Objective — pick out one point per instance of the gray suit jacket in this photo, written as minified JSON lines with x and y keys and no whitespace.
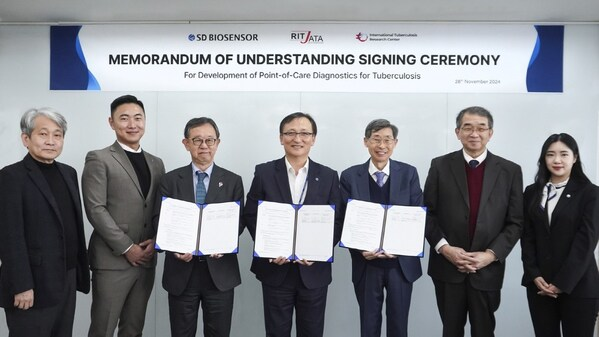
{"x":499,"y":222}
{"x":224,"y":186}
{"x":115,"y":205}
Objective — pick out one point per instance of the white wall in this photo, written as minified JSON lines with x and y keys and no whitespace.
{"x":249,"y":127}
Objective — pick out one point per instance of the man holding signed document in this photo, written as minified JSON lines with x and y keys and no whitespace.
{"x":287,"y":196}
{"x":199,"y":269}
{"x":376,"y":267}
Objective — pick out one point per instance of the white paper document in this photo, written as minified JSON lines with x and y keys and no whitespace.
{"x":397,"y":230}
{"x":186,"y":227}
{"x":295,"y":231}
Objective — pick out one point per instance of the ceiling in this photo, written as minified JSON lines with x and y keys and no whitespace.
{"x":155,"y":11}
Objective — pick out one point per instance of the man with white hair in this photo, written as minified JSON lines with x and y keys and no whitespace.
{"x":42,"y":242}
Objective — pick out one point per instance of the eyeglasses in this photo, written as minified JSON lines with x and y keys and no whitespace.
{"x":471,"y":129}
{"x":293,"y":134}
{"x":379,"y":141}
{"x":208,"y":141}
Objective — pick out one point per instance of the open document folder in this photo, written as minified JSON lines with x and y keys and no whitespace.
{"x":298,"y":232}
{"x":186,"y":227}
{"x":397,"y":230}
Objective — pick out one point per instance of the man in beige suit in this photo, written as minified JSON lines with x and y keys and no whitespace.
{"x":119,"y":185}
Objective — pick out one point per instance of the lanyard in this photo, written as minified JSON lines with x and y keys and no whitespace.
{"x":300,"y":201}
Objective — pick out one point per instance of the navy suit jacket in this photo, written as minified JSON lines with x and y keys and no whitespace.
{"x":563,"y":252}
{"x":270,"y":183}
{"x":224,"y":186}
{"x":499,"y":222}
{"x":404,"y":190}
{"x":32,"y":246}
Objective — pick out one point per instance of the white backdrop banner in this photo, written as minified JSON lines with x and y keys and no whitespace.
{"x":452,"y":58}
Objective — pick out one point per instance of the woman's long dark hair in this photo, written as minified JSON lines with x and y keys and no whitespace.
{"x":543,"y":173}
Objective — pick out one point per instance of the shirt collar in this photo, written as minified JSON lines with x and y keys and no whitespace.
{"x":128,"y":149}
{"x":302,"y":169}
{"x":480,"y":158}
{"x":207,"y":171}
{"x":559,"y":185}
{"x":372,"y":169}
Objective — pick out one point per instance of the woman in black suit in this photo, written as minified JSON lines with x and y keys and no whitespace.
{"x":561,"y":230}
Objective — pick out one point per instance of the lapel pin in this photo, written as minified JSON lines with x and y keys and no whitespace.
{"x":567,"y":195}
{"x":220,"y":184}
{"x":316,"y":178}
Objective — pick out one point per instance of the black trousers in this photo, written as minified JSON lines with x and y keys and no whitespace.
{"x":458,"y":301}
{"x":378,"y":285}
{"x":280,"y":302}
{"x":55,"y":321}
{"x":576,"y":316}
{"x":217,"y":306}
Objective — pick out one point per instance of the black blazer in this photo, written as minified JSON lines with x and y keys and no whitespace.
{"x":32,"y":246}
{"x":563,"y":252}
{"x":271,"y":184}
{"x":404,"y":190}
{"x":499,"y":222}
{"x":224,"y":186}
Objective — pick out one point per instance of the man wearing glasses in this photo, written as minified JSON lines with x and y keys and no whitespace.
{"x":295,"y":178}
{"x":474,"y":219}
{"x":206,"y":280}
{"x":376,"y":273}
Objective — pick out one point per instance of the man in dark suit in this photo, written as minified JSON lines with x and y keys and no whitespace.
{"x":296,"y":179}
{"x":42,"y":242}
{"x":474,"y":219}
{"x":119,"y":184}
{"x":208,"y":280}
{"x":374,"y":273}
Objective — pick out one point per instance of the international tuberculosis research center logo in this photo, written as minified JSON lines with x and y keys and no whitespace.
{"x":362,"y":37}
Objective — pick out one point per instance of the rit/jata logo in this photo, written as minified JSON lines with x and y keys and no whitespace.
{"x":306,"y":37}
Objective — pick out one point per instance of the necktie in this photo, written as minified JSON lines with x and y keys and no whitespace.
{"x":549,"y":193}
{"x":473,"y":163}
{"x":380,"y":178}
{"x":200,"y":187}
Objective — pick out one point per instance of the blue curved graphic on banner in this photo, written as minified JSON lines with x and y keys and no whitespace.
{"x":535,"y":52}
{"x":92,"y":83}
{"x":68,"y":70}
{"x":545,"y":69}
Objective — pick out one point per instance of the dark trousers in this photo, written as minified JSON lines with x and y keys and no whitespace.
{"x":55,"y":321}
{"x":280,"y":301}
{"x":370,"y":293}
{"x":456,"y":301}
{"x":576,"y":316}
{"x":217,"y":306}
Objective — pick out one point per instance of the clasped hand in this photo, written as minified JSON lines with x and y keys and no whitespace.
{"x":140,"y":254}
{"x":546,"y":289}
{"x":467,"y":262}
